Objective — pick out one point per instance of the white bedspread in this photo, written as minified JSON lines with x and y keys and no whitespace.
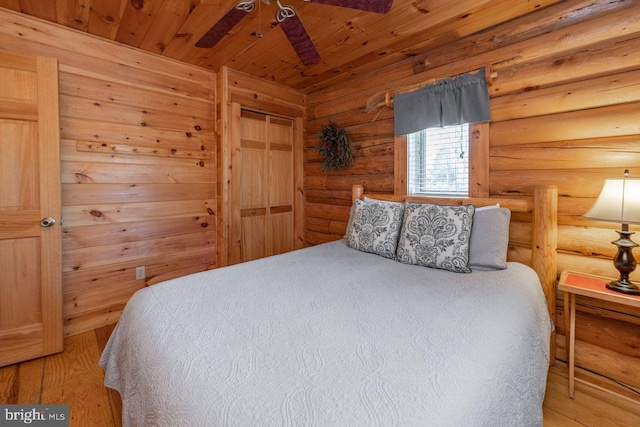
{"x":328,"y":336}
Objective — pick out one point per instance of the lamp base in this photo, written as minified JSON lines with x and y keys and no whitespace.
{"x":625,"y":263}
{"x":624,"y":287}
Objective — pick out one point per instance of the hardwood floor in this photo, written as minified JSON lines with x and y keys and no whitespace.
{"x":595,"y":403}
{"x":74,"y":378}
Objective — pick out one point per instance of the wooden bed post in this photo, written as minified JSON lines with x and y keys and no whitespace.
{"x":544,"y":248}
{"x":357,"y":191}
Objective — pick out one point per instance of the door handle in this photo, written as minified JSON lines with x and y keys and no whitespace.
{"x":47,"y":222}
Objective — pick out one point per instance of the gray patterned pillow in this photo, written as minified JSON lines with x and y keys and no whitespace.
{"x":375,"y":227}
{"x":436,"y":236}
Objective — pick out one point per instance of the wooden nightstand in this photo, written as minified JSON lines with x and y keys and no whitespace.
{"x":574,"y":284}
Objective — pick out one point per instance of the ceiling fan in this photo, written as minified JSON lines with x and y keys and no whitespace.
{"x":288,"y":20}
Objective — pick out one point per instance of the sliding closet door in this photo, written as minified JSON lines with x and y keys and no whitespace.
{"x":252,"y":174}
{"x":262,"y":187}
{"x":280,"y":170}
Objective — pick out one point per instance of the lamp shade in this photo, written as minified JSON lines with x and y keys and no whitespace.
{"x":619,"y":201}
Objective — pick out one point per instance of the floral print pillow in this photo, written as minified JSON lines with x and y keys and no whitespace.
{"x":436,"y":236}
{"x":375,"y":227}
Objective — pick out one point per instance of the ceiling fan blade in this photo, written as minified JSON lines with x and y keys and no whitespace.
{"x":377,"y":6}
{"x":300,"y":40}
{"x":222,"y":27}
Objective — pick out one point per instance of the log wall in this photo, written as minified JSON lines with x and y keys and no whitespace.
{"x":565,"y":101}
{"x":138,"y":166}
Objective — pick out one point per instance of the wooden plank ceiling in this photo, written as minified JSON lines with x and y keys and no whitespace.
{"x":350,"y":42}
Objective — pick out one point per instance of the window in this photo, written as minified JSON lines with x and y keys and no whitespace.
{"x":438,"y":161}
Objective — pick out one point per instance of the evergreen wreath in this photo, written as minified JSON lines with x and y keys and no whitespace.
{"x":335,"y":148}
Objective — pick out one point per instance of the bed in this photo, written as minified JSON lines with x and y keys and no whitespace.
{"x":332,"y":336}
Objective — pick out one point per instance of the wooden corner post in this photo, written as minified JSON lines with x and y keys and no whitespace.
{"x":545,"y":246}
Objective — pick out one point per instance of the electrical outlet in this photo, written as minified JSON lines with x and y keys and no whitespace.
{"x":140,"y":273}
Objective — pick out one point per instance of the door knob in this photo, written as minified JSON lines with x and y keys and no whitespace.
{"x":47,"y":222}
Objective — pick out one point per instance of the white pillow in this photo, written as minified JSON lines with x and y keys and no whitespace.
{"x":484,"y":208}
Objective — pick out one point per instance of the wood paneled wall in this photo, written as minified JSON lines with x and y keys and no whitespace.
{"x":565,"y":100}
{"x":138,"y":167}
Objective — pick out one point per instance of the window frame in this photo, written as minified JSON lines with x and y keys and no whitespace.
{"x":478,"y":163}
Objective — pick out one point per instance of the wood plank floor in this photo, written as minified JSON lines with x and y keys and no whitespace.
{"x":74,"y":378}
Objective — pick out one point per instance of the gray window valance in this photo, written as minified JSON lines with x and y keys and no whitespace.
{"x":464,"y":99}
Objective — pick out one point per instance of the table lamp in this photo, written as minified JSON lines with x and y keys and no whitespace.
{"x":619,"y":201}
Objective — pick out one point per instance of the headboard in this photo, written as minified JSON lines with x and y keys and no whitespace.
{"x":533,"y":232}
